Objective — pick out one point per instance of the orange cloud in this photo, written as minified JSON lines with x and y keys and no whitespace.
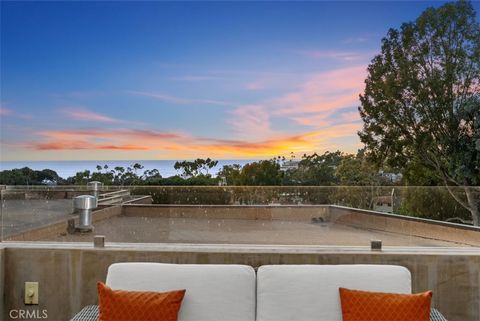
{"x":282,"y":145}
{"x":270,"y":147}
{"x":136,"y":134}
{"x":182,"y":144}
{"x":76,"y":145}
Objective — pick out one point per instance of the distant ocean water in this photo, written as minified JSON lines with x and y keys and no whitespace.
{"x":67,"y":169}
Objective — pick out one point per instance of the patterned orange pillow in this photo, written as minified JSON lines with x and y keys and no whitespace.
{"x":377,"y":306}
{"x":119,"y":305}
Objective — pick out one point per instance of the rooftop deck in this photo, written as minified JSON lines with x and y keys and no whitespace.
{"x":241,"y":231}
{"x":444,"y":257}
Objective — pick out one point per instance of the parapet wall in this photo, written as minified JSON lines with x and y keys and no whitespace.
{"x":406,"y":225}
{"x":67,"y":273}
{"x":2,"y":280}
{"x":241,"y":212}
{"x":56,"y":228}
{"x":398,"y":224}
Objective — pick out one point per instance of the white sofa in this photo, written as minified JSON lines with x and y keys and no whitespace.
{"x":274,"y":293}
{"x":214,"y":292}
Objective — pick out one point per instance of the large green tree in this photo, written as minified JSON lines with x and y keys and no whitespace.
{"x":261,"y":173}
{"x":27,"y":176}
{"x":316,"y":170}
{"x":195,"y":168}
{"x":422,"y":99}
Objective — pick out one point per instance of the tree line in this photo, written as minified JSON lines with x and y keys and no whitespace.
{"x":327,"y":169}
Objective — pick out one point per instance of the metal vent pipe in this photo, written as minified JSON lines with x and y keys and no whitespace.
{"x":96,"y":187}
{"x":84,"y":205}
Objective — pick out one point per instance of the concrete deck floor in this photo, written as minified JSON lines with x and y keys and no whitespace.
{"x":233,"y":231}
{"x":20,"y":215}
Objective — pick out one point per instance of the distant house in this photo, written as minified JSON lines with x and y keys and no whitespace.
{"x":49,"y":182}
{"x":387,"y":203}
{"x":222,"y":181}
{"x":289,"y":165}
{"x":392,"y":177}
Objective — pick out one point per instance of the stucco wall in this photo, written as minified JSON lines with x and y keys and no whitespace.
{"x":68,"y":273}
{"x":2,"y":265}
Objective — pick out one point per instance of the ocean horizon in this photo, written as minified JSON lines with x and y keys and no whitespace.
{"x":67,"y":169}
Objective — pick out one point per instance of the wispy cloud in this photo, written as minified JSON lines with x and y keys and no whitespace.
{"x":250,"y":121}
{"x":180,"y":100}
{"x":195,"y":78}
{"x":318,"y":101}
{"x":4,"y":111}
{"x":332,"y":54}
{"x":88,"y":115}
{"x":79,"y":94}
{"x":323,"y":92}
{"x":318,"y":120}
{"x":256,"y":84}
{"x":350,"y":116}
{"x":8,"y":112}
{"x":358,"y":39}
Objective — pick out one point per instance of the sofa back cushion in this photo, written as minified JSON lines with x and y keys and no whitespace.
{"x":311,"y":292}
{"x":213,"y":292}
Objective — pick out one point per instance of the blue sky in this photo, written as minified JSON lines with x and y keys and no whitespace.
{"x":175,"y":80}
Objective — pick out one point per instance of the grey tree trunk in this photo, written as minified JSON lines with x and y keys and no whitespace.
{"x":473,"y":200}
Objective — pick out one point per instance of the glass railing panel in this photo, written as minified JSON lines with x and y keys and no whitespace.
{"x":288,"y":215}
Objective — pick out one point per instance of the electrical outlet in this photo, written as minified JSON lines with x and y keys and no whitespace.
{"x":31,"y":292}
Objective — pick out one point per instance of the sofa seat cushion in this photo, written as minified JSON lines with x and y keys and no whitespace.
{"x":311,"y":292}
{"x":213,"y":292}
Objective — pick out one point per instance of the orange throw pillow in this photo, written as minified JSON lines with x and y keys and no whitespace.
{"x":377,"y":306}
{"x":120,"y":305}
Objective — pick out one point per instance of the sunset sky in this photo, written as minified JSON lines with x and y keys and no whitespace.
{"x":152,"y":80}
